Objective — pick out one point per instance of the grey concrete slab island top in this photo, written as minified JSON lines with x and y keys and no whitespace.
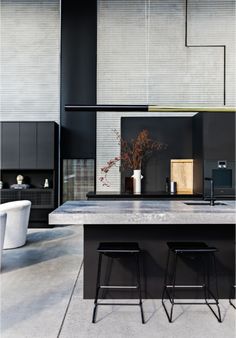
{"x":141,"y":212}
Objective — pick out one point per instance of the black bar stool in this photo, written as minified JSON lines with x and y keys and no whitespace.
{"x":232,"y":296}
{"x":116,"y":250}
{"x":206,"y":255}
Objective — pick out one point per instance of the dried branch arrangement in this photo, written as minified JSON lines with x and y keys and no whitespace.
{"x":133,"y":153}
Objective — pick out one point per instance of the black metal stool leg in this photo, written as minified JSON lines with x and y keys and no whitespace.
{"x":173,"y":289}
{"x":97,"y":288}
{"x":139,"y":287}
{"x":208,"y":275}
{"x":205,"y":277}
{"x":166,"y":276}
{"x":232,"y":296}
{"x":215,"y":297}
{"x":108,"y":272}
{"x":217,"y":288}
{"x":172,"y":296}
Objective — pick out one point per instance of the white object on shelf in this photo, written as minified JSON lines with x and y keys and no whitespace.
{"x":3,"y":219}
{"x":17,"y":223}
{"x":137,"y":181}
{"x":19,"y":179}
{"x":46,"y":183}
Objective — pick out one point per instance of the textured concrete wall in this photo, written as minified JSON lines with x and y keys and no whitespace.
{"x":161,"y":52}
{"x":217,"y":27}
{"x":30,"y":42}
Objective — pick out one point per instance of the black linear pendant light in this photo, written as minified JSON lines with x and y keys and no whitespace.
{"x":149,"y":108}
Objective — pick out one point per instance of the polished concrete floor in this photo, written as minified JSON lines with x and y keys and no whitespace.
{"x":42,"y":297}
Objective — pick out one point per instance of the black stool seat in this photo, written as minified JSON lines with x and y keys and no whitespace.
{"x":201,"y":247}
{"x":118,"y":247}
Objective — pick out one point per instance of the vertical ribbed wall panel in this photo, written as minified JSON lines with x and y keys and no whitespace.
{"x":142,"y":58}
{"x":30,"y":43}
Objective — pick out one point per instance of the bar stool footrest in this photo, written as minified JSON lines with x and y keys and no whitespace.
{"x":132,"y":304}
{"x":118,"y":287}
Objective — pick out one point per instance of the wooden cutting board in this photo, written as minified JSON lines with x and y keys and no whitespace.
{"x":181,"y":172}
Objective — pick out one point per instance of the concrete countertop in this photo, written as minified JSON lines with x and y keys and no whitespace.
{"x":142,"y":212}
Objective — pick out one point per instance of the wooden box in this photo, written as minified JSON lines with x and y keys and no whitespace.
{"x":181,"y":171}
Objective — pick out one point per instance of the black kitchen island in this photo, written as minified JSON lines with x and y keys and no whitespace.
{"x":151,"y":223}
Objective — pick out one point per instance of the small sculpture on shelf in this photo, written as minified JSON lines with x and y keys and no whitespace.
{"x":19,"y":179}
{"x":46,"y":183}
{"x":19,"y":185}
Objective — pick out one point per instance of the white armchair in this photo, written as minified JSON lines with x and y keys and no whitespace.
{"x":3,"y":219}
{"x":17,"y":223}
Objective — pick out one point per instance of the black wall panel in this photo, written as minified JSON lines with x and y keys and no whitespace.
{"x":175,"y":132}
{"x":204,"y":137}
{"x":198,"y":153}
{"x":78,"y":77}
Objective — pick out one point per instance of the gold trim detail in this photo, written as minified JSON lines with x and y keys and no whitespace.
{"x":166,"y":109}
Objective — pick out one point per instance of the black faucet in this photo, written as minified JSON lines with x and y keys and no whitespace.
{"x":212,"y":199}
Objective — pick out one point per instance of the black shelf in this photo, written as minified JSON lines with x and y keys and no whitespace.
{"x":151,"y":195}
{"x":161,"y":195}
{"x":34,"y":189}
{"x":40,"y":198}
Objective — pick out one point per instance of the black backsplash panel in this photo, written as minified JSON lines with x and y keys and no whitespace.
{"x":175,"y":132}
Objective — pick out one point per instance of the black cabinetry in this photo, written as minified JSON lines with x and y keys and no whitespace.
{"x":10,"y":135}
{"x":219,"y":136}
{"x":28,"y":150}
{"x":28,"y":145}
{"x":214,"y":143}
{"x":46,"y":140}
{"x":31,"y":149}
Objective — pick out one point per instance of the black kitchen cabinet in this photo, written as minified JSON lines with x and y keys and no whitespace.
{"x":31,"y":150}
{"x":45,"y":145}
{"x":214,"y":136}
{"x":219,"y":136}
{"x":27,"y":145}
{"x":10,"y":145}
{"x":213,"y":143}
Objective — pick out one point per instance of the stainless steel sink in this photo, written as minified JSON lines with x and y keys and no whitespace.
{"x":204,"y":203}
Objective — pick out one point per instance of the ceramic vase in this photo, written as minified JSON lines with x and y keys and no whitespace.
{"x":137,"y":177}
